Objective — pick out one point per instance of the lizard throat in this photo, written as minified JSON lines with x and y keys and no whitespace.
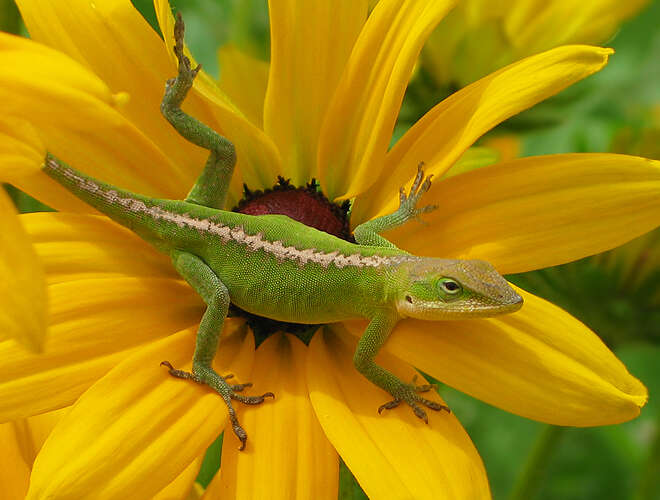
{"x":308,"y":205}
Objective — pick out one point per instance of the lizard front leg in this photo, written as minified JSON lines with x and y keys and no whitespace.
{"x":368,"y":346}
{"x":211,"y":187}
{"x":205,"y":282}
{"x":367,"y":233}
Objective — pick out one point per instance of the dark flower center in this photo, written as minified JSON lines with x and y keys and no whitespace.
{"x":308,"y":205}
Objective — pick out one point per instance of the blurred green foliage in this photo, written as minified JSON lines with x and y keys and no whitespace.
{"x":617,"y":109}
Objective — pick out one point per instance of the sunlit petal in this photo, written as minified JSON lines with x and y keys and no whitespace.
{"x":112,"y":39}
{"x":94,"y":323}
{"x":21,"y":150}
{"x":394,"y":455}
{"x":359,"y":122}
{"x":540,"y":363}
{"x":73,"y":247}
{"x":444,"y":133}
{"x":23,"y":288}
{"x":154,"y":425}
{"x":287,"y":454}
{"x":44,"y":85}
{"x":310,"y":44}
{"x":539,"y":211}
{"x":244,"y":80}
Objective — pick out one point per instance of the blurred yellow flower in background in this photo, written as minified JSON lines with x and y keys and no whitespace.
{"x":480,"y":36}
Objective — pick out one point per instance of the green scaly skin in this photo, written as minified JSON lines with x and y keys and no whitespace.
{"x":275,"y":267}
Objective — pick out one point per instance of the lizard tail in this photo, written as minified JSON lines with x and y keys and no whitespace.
{"x":128,"y":209}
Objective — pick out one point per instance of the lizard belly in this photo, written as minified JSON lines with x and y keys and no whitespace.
{"x":292,"y":302}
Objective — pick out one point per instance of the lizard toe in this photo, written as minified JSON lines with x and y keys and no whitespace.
{"x":389,"y":405}
{"x":252,"y":400}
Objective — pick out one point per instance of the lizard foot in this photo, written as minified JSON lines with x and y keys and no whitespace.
{"x":408,"y":203}
{"x":180,"y":85}
{"x":408,"y":393}
{"x":186,"y":72}
{"x":208,"y":376}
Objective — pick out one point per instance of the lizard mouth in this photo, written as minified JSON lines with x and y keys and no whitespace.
{"x":308,"y":205}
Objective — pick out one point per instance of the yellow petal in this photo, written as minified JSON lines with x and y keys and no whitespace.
{"x":394,"y":455}
{"x":23,"y":288}
{"x":20,"y":442}
{"x":540,"y":363}
{"x":360,"y":119}
{"x":43,"y":86}
{"x":14,"y":468}
{"x":287,"y":454}
{"x":444,"y":133}
{"x":22,"y":153}
{"x":181,"y":487}
{"x":258,"y":159}
{"x":73,"y":247}
{"x":244,"y":80}
{"x":94,"y":323}
{"x":138,"y":428}
{"x":539,"y":211}
{"x":310,"y":44}
{"x":21,"y":150}
{"x":94,"y":33}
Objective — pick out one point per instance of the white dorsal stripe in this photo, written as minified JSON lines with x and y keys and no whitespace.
{"x":237,"y":234}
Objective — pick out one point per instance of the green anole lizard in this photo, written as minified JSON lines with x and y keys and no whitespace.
{"x":278,"y":268}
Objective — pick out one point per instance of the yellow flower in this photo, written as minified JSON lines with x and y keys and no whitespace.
{"x":335,"y":84}
{"x":21,"y":440}
{"x":23,"y":316}
{"x":481,"y":36}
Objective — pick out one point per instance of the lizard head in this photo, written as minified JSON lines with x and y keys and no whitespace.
{"x":439,"y":289}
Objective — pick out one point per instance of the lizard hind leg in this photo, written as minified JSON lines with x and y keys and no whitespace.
{"x":211,"y":187}
{"x":202,"y":278}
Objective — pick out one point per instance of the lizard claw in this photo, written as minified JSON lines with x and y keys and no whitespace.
{"x":178,"y":373}
{"x":408,"y":202}
{"x":408,"y":393}
{"x":253,"y":400}
{"x":389,"y":405}
{"x":236,"y":387}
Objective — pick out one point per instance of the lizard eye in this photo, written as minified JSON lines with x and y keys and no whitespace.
{"x":450,"y":287}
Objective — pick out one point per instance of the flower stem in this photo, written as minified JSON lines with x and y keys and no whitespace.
{"x":534,"y":470}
